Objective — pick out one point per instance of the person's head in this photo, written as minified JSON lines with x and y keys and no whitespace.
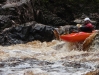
{"x":87,"y":20}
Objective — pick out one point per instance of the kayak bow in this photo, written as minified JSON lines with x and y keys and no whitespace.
{"x":75,"y":37}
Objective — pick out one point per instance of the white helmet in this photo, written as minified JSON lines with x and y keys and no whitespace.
{"x":87,"y":19}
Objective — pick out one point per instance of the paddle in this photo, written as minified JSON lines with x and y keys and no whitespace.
{"x":56,"y":34}
{"x":88,"y":41}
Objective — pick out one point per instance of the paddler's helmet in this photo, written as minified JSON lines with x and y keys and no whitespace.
{"x":87,"y":19}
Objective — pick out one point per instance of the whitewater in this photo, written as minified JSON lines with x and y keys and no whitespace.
{"x":47,"y":58}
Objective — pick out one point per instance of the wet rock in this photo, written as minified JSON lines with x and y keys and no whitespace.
{"x":42,"y":32}
{"x":46,"y":12}
{"x":15,"y":13}
{"x":18,"y":12}
{"x":26,"y":32}
{"x":2,"y":1}
{"x":5,"y":22}
{"x":53,"y":13}
{"x":66,"y":29}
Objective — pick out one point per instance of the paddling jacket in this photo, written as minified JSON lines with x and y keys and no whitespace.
{"x":87,"y":27}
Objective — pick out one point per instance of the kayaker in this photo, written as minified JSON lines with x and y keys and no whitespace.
{"x":87,"y":26}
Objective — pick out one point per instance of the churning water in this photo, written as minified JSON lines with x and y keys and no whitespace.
{"x":46,"y":58}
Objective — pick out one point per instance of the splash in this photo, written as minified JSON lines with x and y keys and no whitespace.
{"x":46,"y":58}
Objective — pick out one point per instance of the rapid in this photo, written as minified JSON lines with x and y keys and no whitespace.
{"x":47,"y":58}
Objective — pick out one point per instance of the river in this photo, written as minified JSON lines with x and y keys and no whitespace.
{"x":47,"y":58}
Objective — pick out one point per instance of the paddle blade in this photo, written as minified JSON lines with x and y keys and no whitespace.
{"x":88,"y":41}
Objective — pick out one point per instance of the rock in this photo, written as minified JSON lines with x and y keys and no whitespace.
{"x":16,"y":13}
{"x":42,"y":32}
{"x":53,"y":13}
{"x":26,"y":32}
{"x":5,"y":22}
{"x":2,"y":1}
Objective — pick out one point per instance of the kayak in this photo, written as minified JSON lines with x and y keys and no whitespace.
{"x":75,"y":37}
